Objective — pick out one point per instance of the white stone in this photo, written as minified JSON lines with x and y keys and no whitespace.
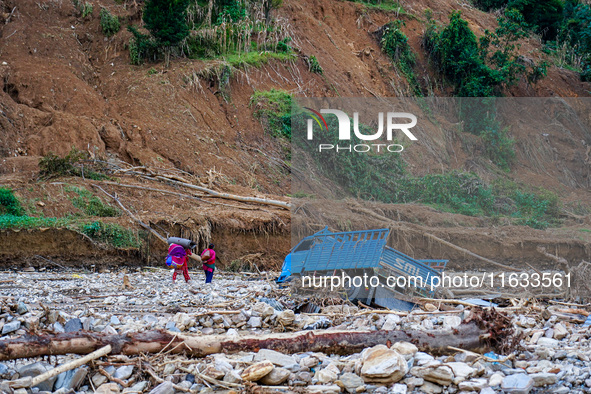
{"x":560,"y":331}
{"x":382,"y":365}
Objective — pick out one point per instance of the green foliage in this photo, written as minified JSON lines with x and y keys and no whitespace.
{"x":489,"y":5}
{"x":9,"y":204}
{"x":314,"y":65}
{"x":394,"y":43}
{"x":86,"y":10}
{"x":112,"y":234}
{"x":51,"y":166}
{"x":109,"y":23}
{"x":13,"y":221}
{"x":141,"y":46}
{"x":371,"y":176}
{"x":273,"y":109}
{"x":479,"y":117}
{"x":481,"y":68}
{"x":230,"y":11}
{"x":166,"y":21}
{"x":544,"y":15}
{"x":383,"y":5}
{"x":92,"y":205}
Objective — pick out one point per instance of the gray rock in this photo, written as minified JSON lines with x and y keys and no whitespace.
{"x":547,"y":342}
{"x":3,"y":369}
{"x":255,"y":322}
{"x":123,"y":372}
{"x":98,"y":379}
{"x":73,"y":325}
{"x":115,"y":320}
{"x":276,"y":358}
{"x":171,"y":326}
{"x":543,"y":379}
{"x":351,"y":381}
{"x":139,"y":387}
{"x":70,"y":379}
{"x":58,"y":327}
{"x":37,"y":369}
{"x":398,"y":388}
{"x":109,"y":330}
{"x":21,"y":308}
{"x":151,"y":320}
{"x":275,"y":377}
{"x":11,"y":327}
{"x":163,"y":388}
{"x":232,"y":377}
{"x":517,"y":383}
{"x":452,"y":321}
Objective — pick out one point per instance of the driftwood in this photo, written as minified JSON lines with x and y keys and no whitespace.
{"x":277,"y":203}
{"x":30,"y":382}
{"x":466,"y":336}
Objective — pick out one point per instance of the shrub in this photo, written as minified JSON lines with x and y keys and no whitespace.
{"x":395,"y":45}
{"x":112,"y":234}
{"x":141,"y":46}
{"x":109,"y":23}
{"x":481,"y":68}
{"x":51,"y":166}
{"x":314,"y":66}
{"x":273,"y":109}
{"x":86,"y":10}
{"x":544,"y":15}
{"x":167,"y":22}
{"x":9,"y":204}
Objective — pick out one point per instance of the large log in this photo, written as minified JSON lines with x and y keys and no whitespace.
{"x":467,"y":336}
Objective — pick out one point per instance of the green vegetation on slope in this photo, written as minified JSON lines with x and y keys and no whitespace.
{"x":13,"y":216}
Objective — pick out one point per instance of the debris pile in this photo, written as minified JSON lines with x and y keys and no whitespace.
{"x":545,"y":348}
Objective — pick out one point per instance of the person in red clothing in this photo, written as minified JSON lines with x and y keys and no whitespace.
{"x":208,"y":259}
{"x":179,"y":257}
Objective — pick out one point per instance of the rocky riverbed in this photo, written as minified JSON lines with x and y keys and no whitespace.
{"x":551,"y":352}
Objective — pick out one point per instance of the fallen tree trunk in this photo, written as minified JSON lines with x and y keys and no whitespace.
{"x":277,"y":203}
{"x":466,"y":336}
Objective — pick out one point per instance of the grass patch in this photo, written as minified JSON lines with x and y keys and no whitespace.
{"x":91,"y":205}
{"x":466,"y":193}
{"x":256,"y":59}
{"x":273,"y":109}
{"x":112,"y":234}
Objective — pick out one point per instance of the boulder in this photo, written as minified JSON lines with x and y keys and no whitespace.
{"x":275,"y":377}
{"x":37,"y":369}
{"x":440,"y":374}
{"x":407,"y":349}
{"x":257,"y":371}
{"x":517,"y":384}
{"x":350,"y":382}
{"x":543,"y":379}
{"x":276,"y":358}
{"x":382,"y":365}
{"x":70,"y":380}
